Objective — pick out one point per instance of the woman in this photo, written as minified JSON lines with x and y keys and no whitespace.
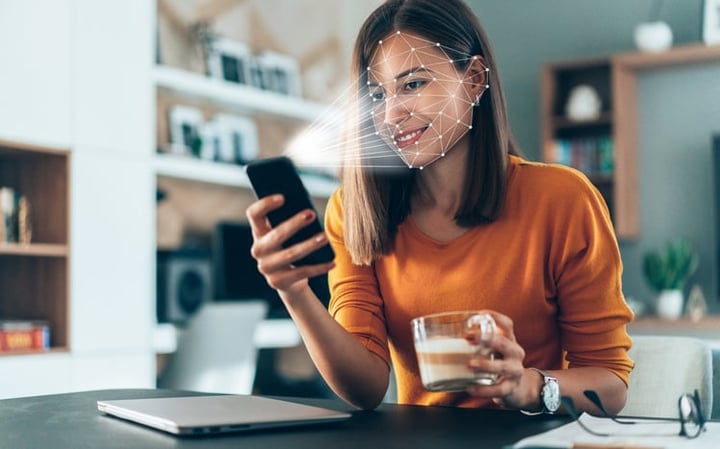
{"x":468,"y":225}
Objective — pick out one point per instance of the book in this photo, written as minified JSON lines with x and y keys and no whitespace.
{"x":24,"y":335}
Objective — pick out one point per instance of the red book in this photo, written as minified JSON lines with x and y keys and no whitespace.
{"x":18,"y":335}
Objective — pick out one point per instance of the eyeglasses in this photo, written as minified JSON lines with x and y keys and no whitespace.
{"x":690,"y":416}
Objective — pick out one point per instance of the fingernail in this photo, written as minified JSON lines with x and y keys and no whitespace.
{"x":308,"y":216}
{"x":320,"y":238}
{"x":277,"y":199}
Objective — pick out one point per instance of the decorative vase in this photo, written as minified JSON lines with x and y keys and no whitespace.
{"x":670,"y":304}
{"x":653,"y":37}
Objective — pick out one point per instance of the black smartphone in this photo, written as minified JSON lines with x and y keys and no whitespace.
{"x":279,"y":175}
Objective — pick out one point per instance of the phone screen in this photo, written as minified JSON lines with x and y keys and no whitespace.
{"x":278,"y":175}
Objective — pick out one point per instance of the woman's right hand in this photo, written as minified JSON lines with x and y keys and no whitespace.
{"x":276,"y":262}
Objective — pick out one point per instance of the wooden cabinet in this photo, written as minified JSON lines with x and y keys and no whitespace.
{"x":34,"y":277}
{"x":614,"y":78}
{"x":586,"y":143}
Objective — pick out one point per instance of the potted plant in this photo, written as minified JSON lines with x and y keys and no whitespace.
{"x":666,"y":271}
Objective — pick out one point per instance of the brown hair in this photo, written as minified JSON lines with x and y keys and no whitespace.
{"x":376,"y":200}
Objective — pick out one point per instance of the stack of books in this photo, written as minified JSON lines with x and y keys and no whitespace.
{"x":24,"y":335}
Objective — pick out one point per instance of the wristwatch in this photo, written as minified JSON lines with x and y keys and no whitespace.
{"x":549,"y":394}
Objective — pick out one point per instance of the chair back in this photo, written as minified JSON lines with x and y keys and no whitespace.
{"x":666,"y":368}
{"x":216,"y":353}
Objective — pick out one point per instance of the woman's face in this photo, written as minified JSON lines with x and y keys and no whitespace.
{"x":421,"y":105}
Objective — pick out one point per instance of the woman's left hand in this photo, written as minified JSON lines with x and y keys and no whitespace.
{"x":513,"y":388}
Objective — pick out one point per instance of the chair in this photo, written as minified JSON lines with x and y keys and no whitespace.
{"x":666,"y":368}
{"x":216,"y":353}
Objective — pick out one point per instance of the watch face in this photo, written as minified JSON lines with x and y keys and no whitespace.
{"x":551,"y":395}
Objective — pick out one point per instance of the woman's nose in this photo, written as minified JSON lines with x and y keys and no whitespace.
{"x":397,"y":110}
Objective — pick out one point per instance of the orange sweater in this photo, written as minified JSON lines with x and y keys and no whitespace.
{"x":550,"y":262}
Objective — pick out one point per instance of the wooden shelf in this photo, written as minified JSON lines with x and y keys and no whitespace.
{"x":614,"y":78}
{"x":232,"y":96}
{"x":34,"y":277}
{"x":182,"y":167}
{"x":53,"y":350}
{"x":34,"y":249}
{"x":708,"y":328}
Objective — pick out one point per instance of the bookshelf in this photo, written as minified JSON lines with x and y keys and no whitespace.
{"x":614,"y":78}
{"x":34,"y":277}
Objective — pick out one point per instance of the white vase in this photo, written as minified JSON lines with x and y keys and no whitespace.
{"x":653,"y":37}
{"x":670,"y":304}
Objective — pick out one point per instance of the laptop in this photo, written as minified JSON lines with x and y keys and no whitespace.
{"x":206,"y":415}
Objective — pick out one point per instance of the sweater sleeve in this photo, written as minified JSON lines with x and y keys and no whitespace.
{"x":355,"y":300}
{"x":587,"y":269}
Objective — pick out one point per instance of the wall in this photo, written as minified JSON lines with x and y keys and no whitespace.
{"x":76,"y":74}
{"x":675,"y":173}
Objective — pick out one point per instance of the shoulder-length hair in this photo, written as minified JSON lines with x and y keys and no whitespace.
{"x":375,"y":200}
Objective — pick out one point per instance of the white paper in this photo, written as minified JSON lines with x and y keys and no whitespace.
{"x":646,"y":433}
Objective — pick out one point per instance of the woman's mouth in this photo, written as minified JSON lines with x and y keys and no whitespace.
{"x":407,"y":138}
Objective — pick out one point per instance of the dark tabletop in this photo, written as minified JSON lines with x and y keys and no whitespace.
{"x":71,"y":421}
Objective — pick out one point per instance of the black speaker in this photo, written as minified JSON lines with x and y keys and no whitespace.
{"x":184,"y":283}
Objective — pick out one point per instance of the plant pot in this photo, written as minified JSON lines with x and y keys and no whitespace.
{"x":670,"y":304}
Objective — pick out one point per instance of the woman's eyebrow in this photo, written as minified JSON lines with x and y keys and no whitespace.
{"x":403,"y":74}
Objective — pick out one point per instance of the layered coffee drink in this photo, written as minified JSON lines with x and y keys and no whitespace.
{"x":443,"y":364}
{"x":443,"y":352}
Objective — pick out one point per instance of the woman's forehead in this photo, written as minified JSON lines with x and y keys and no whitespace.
{"x":401,"y":51}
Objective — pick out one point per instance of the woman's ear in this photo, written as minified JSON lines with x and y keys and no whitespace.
{"x":477,"y":76}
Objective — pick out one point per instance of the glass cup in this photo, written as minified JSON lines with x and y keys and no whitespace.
{"x":443,"y":352}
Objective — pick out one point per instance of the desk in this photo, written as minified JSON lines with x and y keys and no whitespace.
{"x":71,"y":421}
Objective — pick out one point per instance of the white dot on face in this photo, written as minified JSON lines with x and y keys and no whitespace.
{"x":450,"y":60}
{"x":430,"y":125}
{"x":380,"y":42}
{"x":377,"y":133}
{"x":434,"y":79}
{"x":458,"y":121}
{"x":397,"y":33}
{"x":417,"y":153}
{"x":412,"y":49}
{"x":417,"y":143}
{"x":411,"y":114}
{"x":437,"y":44}
{"x":442,"y":154}
{"x":440,"y":136}
{"x":470,"y":127}
{"x":421,"y":168}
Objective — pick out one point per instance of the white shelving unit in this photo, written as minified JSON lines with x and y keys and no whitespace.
{"x":233,"y":96}
{"x":184,"y":167}
{"x":238,"y":98}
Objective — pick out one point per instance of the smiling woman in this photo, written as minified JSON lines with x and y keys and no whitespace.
{"x":461,"y":223}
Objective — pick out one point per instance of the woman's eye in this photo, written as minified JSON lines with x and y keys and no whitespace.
{"x":414,"y":85}
{"x":377,"y":95}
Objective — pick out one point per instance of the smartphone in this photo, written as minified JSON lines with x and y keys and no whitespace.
{"x":279,"y":175}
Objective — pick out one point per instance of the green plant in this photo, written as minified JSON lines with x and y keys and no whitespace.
{"x":670,"y":267}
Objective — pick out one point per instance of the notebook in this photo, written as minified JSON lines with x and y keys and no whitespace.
{"x":205,"y":415}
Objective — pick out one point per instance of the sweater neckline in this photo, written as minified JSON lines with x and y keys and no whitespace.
{"x":415,"y":231}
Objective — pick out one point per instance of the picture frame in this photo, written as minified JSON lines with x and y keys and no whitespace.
{"x":237,"y":138}
{"x":711,"y":22}
{"x":280,"y":73}
{"x":185,"y":124}
{"x":229,"y":60}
